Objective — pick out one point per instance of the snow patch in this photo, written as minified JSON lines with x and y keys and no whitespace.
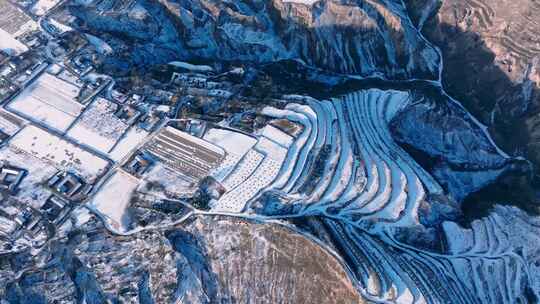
{"x":41,"y":7}
{"x":101,"y":46}
{"x":192,"y":67}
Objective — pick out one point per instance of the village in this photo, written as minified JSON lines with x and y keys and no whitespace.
{"x":71,"y":140}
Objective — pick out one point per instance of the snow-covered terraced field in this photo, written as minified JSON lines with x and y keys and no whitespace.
{"x":253,"y":173}
{"x":247,"y":165}
{"x":239,"y":152}
{"x":345,"y":166}
{"x":495,"y":261}
{"x":344,"y":162}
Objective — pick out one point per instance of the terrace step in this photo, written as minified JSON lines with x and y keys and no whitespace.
{"x":261,"y":177}
{"x":243,"y":169}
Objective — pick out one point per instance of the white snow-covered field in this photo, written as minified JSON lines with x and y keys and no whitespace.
{"x":63,"y":28}
{"x":226,"y":167}
{"x":91,"y":138}
{"x":131,"y":139}
{"x":243,"y":169}
{"x":7,"y":226}
{"x":58,"y":152}
{"x":101,"y":46}
{"x":11,"y":45}
{"x":113,"y":199}
{"x":41,"y":7}
{"x":277,"y":136}
{"x":98,"y":127}
{"x":232,"y":142}
{"x":271,"y":149}
{"x":48,"y":101}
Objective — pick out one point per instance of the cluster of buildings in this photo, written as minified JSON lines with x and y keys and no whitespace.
{"x":72,"y":138}
{"x":68,"y":137}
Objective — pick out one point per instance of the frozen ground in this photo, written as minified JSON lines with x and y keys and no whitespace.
{"x":48,"y":101}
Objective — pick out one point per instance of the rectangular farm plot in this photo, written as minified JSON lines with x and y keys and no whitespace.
{"x":10,"y":123}
{"x":184,"y":153}
{"x":13,"y":18}
{"x":99,"y":127}
{"x":168,"y":182}
{"x":277,"y":136}
{"x":234,"y":143}
{"x":114,"y":198}
{"x":131,"y":140}
{"x":48,"y":101}
{"x":58,"y":152}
